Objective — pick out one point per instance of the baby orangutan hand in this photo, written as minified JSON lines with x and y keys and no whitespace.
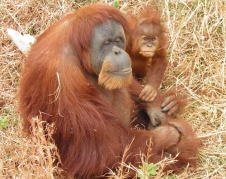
{"x":148,"y":93}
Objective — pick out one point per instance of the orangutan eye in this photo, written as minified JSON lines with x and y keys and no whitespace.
{"x":145,"y":38}
{"x":107,"y":42}
{"x":153,"y":39}
{"x":118,"y":39}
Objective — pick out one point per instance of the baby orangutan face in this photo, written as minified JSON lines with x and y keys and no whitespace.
{"x":147,"y":39}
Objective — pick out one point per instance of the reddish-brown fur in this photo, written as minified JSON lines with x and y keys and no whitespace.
{"x":91,"y":123}
{"x":146,"y":110}
{"x":189,"y":144}
{"x":142,"y":66}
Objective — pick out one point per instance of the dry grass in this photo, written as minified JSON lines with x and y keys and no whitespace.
{"x":197,"y":55}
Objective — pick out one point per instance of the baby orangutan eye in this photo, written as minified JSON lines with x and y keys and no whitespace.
{"x":145,"y":38}
{"x":153,"y":39}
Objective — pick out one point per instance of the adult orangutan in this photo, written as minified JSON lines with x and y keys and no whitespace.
{"x":147,"y":49}
{"x":75,"y":77}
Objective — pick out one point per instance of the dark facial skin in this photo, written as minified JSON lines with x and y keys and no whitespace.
{"x":108,"y":58}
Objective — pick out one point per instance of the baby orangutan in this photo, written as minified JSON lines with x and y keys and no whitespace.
{"x":146,"y":47}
